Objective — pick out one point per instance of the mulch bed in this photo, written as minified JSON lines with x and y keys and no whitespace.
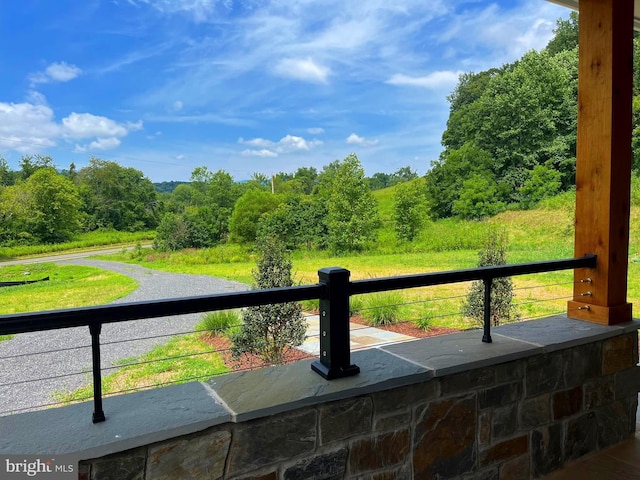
{"x":409,"y":329}
{"x":250,"y":362}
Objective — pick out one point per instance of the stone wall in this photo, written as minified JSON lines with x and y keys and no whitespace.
{"x":518,"y":413}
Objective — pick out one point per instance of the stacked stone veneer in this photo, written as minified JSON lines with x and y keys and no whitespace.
{"x":542,"y":394}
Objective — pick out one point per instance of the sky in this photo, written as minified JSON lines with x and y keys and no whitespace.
{"x":247,"y":86}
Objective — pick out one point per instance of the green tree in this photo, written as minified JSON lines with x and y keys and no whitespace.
{"x":463,"y":122}
{"x":270,"y":331}
{"x":565,"y":35}
{"x":445,"y":181}
{"x":379,"y":181}
{"x":352,"y":216}
{"x":15,"y":211}
{"x":524,"y":110}
{"x":502,"y":310}
{"x":7,"y":176}
{"x":117,"y":197}
{"x":410,"y":210}
{"x":298,"y":221}
{"x":479,"y":198}
{"x":250,"y":207}
{"x":543,"y":182}
{"x":403,"y":174}
{"x":308,"y":178}
{"x":56,"y":206}
{"x":43,"y":209}
{"x":29,"y":164}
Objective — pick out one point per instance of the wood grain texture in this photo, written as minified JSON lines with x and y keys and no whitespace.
{"x":603,"y":167}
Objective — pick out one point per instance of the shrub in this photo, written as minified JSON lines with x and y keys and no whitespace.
{"x":269,"y":331}
{"x":223,"y":322}
{"x":356,"y":303}
{"x":424,"y":323}
{"x":502,"y":308}
{"x":383,"y":308}
{"x":310,"y":305}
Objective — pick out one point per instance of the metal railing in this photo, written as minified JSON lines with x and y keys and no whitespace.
{"x":333,"y":290}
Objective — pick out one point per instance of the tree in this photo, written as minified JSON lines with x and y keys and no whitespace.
{"x":444,"y":182}
{"x":43,"y":209}
{"x":502,"y":309}
{"x":269,"y":331}
{"x":521,"y":116}
{"x":379,"y":181}
{"x":463,"y":119}
{"x":7,"y":176}
{"x":352,"y":216}
{"x":243,"y":224}
{"x":543,"y":182}
{"x":29,"y":164}
{"x":193,"y":228}
{"x":298,"y":221}
{"x":403,"y":174}
{"x":56,"y":206}
{"x":410,"y":210}
{"x":565,"y":35}
{"x":117,"y":197}
{"x":308,"y":177}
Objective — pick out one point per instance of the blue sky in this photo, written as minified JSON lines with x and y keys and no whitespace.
{"x":247,"y":86}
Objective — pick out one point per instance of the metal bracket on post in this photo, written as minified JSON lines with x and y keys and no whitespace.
{"x":335,"y":349}
{"x":98,"y":412}
{"x":486,"y":338}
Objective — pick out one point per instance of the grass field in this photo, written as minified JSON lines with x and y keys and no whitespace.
{"x":69,"y":286}
{"x":84,"y":241}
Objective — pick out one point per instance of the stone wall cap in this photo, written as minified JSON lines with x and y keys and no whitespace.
{"x":133,"y":420}
{"x":268,"y":391}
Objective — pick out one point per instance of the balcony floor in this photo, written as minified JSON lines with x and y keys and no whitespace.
{"x":619,"y":462}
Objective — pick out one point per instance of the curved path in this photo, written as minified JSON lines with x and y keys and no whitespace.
{"x":19,"y":361}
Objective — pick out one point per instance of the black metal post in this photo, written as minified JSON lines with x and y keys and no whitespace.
{"x":98,"y":412}
{"x":486,"y":338}
{"x":335,"y":350}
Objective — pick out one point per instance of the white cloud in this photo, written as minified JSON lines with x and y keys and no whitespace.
{"x":199,"y":10}
{"x":256,"y":142}
{"x":305,"y":70}
{"x":315,"y":131}
{"x":287,"y":144}
{"x":31,"y":127}
{"x":27,"y":127}
{"x":259,"y":153}
{"x":104,"y":144}
{"x":56,"y":72}
{"x":354,"y":139}
{"x":85,"y":125}
{"x":177,"y":106}
{"x":435,"y":80}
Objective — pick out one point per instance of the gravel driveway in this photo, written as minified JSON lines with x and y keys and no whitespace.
{"x":153,"y":285}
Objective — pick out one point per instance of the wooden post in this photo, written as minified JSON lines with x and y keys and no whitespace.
{"x":603,"y":167}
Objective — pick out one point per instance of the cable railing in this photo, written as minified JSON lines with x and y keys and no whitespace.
{"x":333,"y":291}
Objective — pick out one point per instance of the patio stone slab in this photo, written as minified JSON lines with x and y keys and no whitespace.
{"x":463,"y":351}
{"x":132,"y":420}
{"x":259,"y":393}
{"x":559,"y":332}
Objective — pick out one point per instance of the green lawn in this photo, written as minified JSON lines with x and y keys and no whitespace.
{"x":69,"y":286}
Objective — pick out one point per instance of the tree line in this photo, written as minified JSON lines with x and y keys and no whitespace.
{"x":331,"y":209}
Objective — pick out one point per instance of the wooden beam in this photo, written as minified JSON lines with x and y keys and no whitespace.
{"x":603,"y":166}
